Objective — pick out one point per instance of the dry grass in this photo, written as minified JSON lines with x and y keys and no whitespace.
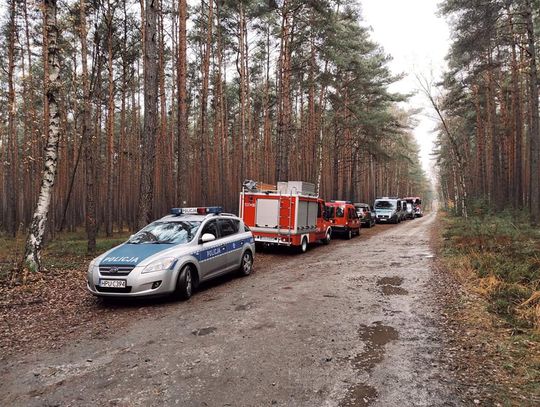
{"x":493,"y":309}
{"x":497,"y":258}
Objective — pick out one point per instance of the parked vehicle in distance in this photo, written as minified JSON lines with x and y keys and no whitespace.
{"x":344,"y":219}
{"x":388,"y":210}
{"x":289,"y":214}
{"x":402,"y":210}
{"x":409,"y":210}
{"x":416,"y":202}
{"x":172,"y":255}
{"x":366,"y":214}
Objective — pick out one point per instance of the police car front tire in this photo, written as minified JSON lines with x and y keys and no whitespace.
{"x":184,"y":284}
{"x":247,"y":264}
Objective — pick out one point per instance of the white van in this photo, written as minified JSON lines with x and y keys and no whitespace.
{"x":388,"y":210}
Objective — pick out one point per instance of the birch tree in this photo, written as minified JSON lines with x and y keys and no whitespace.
{"x":36,"y":233}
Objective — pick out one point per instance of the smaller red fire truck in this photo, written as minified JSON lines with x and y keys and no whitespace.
{"x":289,"y":214}
{"x":344,"y":218}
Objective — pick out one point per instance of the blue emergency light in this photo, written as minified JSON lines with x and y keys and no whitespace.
{"x":197,"y":211}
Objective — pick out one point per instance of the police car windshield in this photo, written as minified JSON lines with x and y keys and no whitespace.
{"x":166,"y":233}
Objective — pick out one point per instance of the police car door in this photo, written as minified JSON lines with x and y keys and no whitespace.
{"x":211,"y":254}
{"x":229,"y":234}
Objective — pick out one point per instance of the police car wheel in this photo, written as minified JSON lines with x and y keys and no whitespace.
{"x":247,"y":264}
{"x":184,"y":284}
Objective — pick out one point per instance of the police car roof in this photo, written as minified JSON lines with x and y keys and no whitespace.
{"x":194,"y":217}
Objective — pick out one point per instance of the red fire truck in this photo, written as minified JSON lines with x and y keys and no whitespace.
{"x":289,"y":214}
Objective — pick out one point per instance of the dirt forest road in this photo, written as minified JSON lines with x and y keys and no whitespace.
{"x":349,"y":324}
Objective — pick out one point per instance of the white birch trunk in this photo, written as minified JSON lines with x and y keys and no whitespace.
{"x":32,"y":259}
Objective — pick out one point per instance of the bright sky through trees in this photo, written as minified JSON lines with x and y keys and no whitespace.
{"x":418,"y":39}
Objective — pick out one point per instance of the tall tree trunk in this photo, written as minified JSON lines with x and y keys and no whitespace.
{"x":181,"y":168}
{"x":32,"y":255}
{"x":110,"y":123}
{"x":534,"y":201}
{"x":148,"y":139}
{"x":203,"y":120}
{"x":123,"y":149}
{"x":220,"y":130}
{"x":33,"y":164}
{"x":284,"y":96}
{"x":12,"y":127}
{"x":242,"y":71}
{"x":86,"y":132}
{"x":162,"y":183}
{"x":267,"y":153}
{"x":517,"y":127}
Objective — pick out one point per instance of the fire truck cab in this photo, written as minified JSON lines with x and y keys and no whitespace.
{"x":289,"y":214}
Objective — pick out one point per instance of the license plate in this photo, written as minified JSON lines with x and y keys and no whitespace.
{"x":265,"y":239}
{"x":113,"y":283}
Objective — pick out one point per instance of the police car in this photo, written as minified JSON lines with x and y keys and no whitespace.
{"x":174,"y":254}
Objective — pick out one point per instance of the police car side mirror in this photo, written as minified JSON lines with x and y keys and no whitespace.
{"x":207,"y":237}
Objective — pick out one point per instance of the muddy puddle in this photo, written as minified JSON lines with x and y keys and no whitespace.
{"x":391,"y":286}
{"x":204,"y":331}
{"x":360,"y":395}
{"x":375,"y":337}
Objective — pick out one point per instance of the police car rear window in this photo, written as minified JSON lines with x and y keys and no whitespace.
{"x":228,"y":226}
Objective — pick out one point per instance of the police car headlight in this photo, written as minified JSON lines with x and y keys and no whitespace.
{"x":91,"y":265}
{"x":160,"y":264}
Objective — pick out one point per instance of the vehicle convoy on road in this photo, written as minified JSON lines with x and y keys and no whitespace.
{"x":289,"y":214}
{"x":388,"y":210}
{"x":174,"y":254}
{"x":344,"y":219}
{"x":366,"y":213}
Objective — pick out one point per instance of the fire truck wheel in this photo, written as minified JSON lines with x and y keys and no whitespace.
{"x":247,"y":264}
{"x":303,"y":246}
{"x":327,"y":238}
{"x":349,"y":234}
{"x":184,"y":284}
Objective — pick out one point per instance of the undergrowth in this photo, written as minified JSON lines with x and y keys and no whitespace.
{"x":67,"y":251}
{"x":500,"y":255}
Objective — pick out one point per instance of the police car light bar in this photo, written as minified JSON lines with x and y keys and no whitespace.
{"x":196,"y":211}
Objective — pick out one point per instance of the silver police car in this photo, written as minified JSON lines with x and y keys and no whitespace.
{"x":174,"y":254}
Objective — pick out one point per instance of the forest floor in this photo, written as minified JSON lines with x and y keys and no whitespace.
{"x":373,"y":321}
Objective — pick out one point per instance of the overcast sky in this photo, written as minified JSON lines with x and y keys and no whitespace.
{"x":418,"y":40}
